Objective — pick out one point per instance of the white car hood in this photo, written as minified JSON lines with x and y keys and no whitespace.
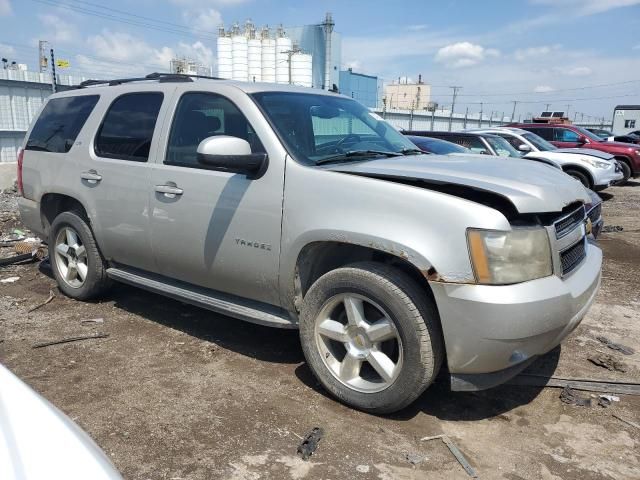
{"x":38,"y":441}
{"x":583,"y":151}
{"x":531,"y":187}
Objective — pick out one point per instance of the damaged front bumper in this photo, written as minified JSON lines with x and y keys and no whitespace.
{"x":491,"y":333}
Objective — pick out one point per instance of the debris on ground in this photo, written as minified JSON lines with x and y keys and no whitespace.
{"x":310,"y":443}
{"x":90,"y":321}
{"x":48,"y":300}
{"x":570,"y":397}
{"x":71,"y":339}
{"x":362,"y":468}
{"x":15,"y":259}
{"x":455,"y":451}
{"x":606,"y":400}
{"x":586,"y":384}
{"x":628,"y":422}
{"x":414,"y":458}
{"x":616,"y":346}
{"x":608,"y":362}
{"x":612,"y":229}
{"x":10,"y":280}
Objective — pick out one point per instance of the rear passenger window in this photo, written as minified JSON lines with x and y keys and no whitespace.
{"x":60,"y":122}
{"x":472,"y":143}
{"x":565,"y":135}
{"x":546,"y":133}
{"x":200,"y":115}
{"x":127,"y":129}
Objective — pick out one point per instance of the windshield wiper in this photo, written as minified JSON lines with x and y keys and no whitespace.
{"x":358,"y":153}
{"x":411,"y":151}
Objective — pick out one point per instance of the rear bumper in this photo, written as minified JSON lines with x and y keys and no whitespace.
{"x":30,"y":216}
{"x":493,"y":332}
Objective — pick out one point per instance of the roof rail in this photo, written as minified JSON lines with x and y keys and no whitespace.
{"x":161,"y":77}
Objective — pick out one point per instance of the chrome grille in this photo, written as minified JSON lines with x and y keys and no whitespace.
{"x":572,"y":256}
{"x":595,"y":213}
{"x":566,"y":224}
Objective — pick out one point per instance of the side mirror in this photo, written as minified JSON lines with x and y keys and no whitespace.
{"x":231,"y":154}
{"x":524,"y":148}
{"x":581,"y":140}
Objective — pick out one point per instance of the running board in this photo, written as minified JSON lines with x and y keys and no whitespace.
{"x":218,"y":302}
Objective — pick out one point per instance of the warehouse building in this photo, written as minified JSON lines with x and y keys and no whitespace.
{"x":626,"y":119}
{"x":366,"y":89}
{"x":405,"y":95}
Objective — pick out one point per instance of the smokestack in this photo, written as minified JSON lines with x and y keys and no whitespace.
{"x":419,"y":78}
{"x":328,"y":30}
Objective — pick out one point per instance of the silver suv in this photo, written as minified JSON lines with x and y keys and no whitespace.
{"x":298,"y":208}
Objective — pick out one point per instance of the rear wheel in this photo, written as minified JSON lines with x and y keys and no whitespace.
{"x":371,"y":336}
{"x":77,"y":264}
{"x":581,"y":177}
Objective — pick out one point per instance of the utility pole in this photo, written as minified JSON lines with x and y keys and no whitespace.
{"x":53,"y":73}
{"x":513,"y":112}
{"x":575,"y":115}
{"x":568,"y":108}
{"x":491,"y":119}
{"x":466,"y":114}
{"x":42,"y":55}
{"x":547,"y":108}
{"x":433,"y":117}
{"x":453,"y":104}
{"x":480,"y":117}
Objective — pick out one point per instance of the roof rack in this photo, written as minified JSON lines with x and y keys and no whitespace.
{"x":161,"y":77}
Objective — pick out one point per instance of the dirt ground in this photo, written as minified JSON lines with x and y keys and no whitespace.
{"x":176,"y":392}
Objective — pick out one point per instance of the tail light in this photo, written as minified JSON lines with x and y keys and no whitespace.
{"x":20,"y":187}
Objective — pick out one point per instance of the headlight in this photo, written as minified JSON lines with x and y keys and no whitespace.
{"x":596,"y":163}
{"x":501,"y":258}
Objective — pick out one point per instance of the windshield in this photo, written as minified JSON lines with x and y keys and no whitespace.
{"x":588,"y":134}
{"x":538,"y":142}
{"x":321,"y":128}
{"x":437,"y":146}
{"x":502,"y":147}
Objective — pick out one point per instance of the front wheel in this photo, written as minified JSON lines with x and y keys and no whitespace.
{"x":371,"y":336}
{"x":581,"y":177}
{"x":626,"y":172}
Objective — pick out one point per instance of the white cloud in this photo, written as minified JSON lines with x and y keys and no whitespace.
{"x":533,"y":52}
{"x":636,"y":47}
{"x":417,"y":28}
{"x":464,"y":54}
{"x":57,"y":30}
{"x":5,"y":7}
{"x":587,"y":7}
{"x":204,"y":20}
{"x":7,"y":51}
{"x":576,"y":71}
{"x":543,"y":89}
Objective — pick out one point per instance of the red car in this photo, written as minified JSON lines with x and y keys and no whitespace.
{"x":572,"y":136}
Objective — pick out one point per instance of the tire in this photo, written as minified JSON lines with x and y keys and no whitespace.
{"x":417,"y":351}
{"x":95,"y":281}
{"x":626,"y":172}
{"x":581,"y":177}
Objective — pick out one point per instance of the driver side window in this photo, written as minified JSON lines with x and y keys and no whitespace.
{"x":515,"y":142}
{"x":565,"y":135}
{"x":200,"y":115}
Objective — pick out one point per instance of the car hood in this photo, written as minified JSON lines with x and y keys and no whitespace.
{"x":531,"y":187}
{"x":584,"y":151}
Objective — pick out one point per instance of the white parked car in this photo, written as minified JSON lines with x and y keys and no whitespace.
{"x":39,"y":442}
{"x":595,"y":169}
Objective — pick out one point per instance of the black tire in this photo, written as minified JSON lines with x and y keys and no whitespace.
{"x":581,"y":177}
{"x":416,"y":320}
{"x":626,"y":172}
{"x":96,"y":282}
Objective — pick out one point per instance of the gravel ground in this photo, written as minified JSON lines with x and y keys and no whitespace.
{"x":176,"y":392}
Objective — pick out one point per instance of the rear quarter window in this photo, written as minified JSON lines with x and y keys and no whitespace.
{"x":60,"y":122}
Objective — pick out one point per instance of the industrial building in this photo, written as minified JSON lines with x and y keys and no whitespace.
{"x":408,"y":96}
{"x":366,"y":89}
{"x":626,"y":118}
{"x":308,"y":56}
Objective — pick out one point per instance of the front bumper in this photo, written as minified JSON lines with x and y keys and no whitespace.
{"x":498,"y":330}
{"x":604,"y":177}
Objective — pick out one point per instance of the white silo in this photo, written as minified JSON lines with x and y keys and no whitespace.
{"x":284,"y":47}
{"x":268,"y":57}
{"x":225,"y":55}
{"x":301,"y":69}
{"x":254,"y":59}
{"x":240,"y":67}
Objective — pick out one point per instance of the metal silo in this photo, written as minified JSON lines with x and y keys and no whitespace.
{"x":225,"y":55}
{"x":301,"y":69}
{"x":284,"y":47}
{"x":254,"y":57}
{"x":240,"y":67}
{"x":268,"y":56}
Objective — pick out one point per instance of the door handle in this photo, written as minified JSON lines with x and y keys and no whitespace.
{"x":169,"y":190}
{"x":91,"y":176}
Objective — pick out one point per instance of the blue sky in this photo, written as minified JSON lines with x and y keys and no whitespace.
{"x":531,"y":51}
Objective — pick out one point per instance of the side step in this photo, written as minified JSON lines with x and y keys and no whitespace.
{"x":247,"y":310}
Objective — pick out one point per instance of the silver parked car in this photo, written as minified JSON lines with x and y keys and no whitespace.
{"x":299,"y":208}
